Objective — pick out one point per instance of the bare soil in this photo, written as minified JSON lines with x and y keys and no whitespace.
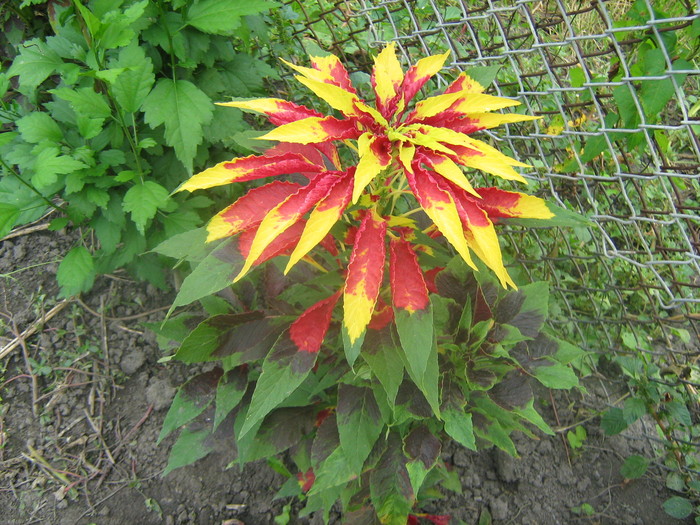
{"x":83,"y":400}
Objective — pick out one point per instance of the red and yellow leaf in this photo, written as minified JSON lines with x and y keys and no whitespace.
{"x":499,"y":203}
{"x":308,"y":331}
{"x":335,"y":71}
{"x":282,"y":244}
{"x":441,"y":209}
{"x":277,"y":110}
{"x":323,"y":217}
{"x":249,"y":168}
{"x":466,"y":84}
{"x":375,"y":155}
{"x":287,"y":213}
{"x":480,"y":102}
{"x":418,"y":74}
{"x":481,"y":236}
{"x":449,"y":170}
{"x":364,"y":277}
{"x":387,"y":77}
{"x":249,"y":210}
{"x":313,"y":130}
{"x":408,"y":289}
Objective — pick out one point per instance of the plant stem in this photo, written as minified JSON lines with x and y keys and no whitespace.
{"x":28,"y":185}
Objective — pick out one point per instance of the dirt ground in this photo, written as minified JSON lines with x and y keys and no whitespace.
{"x":83,"y":398}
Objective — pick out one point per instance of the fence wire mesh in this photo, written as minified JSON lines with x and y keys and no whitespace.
{"x":617,"y":84}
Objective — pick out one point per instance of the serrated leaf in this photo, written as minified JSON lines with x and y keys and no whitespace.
{"x":189,"y":447}
{"x":39,"y":126}
{"x":76,"y":273}
{"x":142,"y":201}
{"x":359,"y":423}
{"x":634,"y":467}
{"x":556,"y":376}
{"x":223,"y":16}
{"x":8,"y":218}
{"x":191,"y":399}
{"x":183,"y":109}
{"x":35,"y":62}
{"x":613,"y":421}
{"x":85,"y":101}
{"x":678,"y":507}
{"x":132,"y":87}
{"x":49,"y":165}
{"x":679,"y":412}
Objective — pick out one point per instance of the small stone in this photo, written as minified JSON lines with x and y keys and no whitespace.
{"x":461,"y":459}
{"x":132,"y":361}
{"x":160,"y":393}
{"x":505,"y":467}
{"x":499,"y":509}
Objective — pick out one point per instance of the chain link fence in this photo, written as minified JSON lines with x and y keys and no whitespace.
{"x":617,"y":84}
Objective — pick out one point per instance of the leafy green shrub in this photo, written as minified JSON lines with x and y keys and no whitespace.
{"x":109,"y":115}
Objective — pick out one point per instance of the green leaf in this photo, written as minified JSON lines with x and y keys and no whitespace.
{"x":384,"y":359}
{"x":35,"y":62}
{"x":613,"y":421}
{"x":679,"y":412}
{"x":232,"y":386}
{"x":283,"y":370}
{"x":189,"y":447}
{"x":76,"y":273}
{"x":183,"y":108}
{"x":428,"y":383}
{"x":189,"y":245}
{"x":634,"y":467}
{"x":131,"y":88}
{"x":359,"y":423}
{"x":334,"y":471}
{"x":9,"y":214}
{"x":248,"y":336}
{"x":191,"y":399}
{"x":390,"y":485}
{"x":678,"y":507}
{"x":458,"y":425}
{"x":85,"y":101}
{"x":484,"y":75}
{"x":223,"y":16}
{"x":38,"y":126}
{"x":416,"y":335}
{"x":497,"y":435}
{"x":142,"y":201}
{"x":49,"y":165}
{"x":30,"y":205}
{"x":214,"y":273}
{"x":556,"y":375}
{"x":634,"y":408}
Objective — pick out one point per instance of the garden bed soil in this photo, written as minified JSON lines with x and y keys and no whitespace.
{"x":83,"y":400}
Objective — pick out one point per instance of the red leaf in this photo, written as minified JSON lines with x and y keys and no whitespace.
{"x":408,"y":288}
{"x":308,"y":331}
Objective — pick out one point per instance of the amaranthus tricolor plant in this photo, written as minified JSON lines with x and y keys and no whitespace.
{"x":375,"y":182}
